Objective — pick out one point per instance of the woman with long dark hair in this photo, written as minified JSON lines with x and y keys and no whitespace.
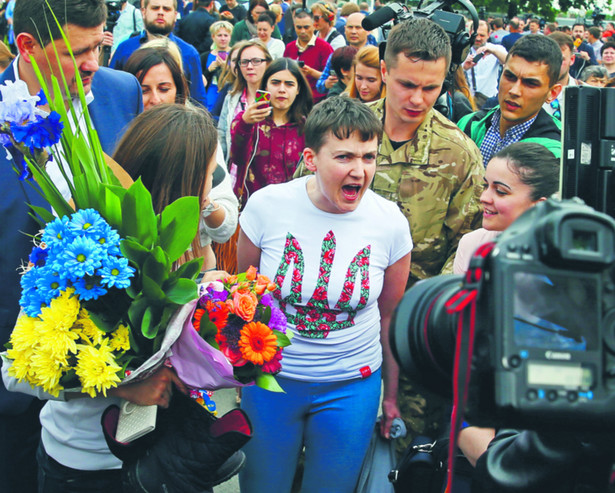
{"x":158,"y":70}
{"x":267,"y":138}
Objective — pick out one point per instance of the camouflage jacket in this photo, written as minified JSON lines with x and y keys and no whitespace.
{"x":436,"y":180}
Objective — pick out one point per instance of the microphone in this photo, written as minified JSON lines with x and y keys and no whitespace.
{"x":381,"y":16}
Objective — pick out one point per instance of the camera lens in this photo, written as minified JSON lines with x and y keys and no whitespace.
{"x":423,"y":333}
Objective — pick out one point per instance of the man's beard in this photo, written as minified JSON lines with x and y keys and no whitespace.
{"x":154,"y":28}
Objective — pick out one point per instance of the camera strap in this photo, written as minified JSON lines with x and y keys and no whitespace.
{"x":463,"y":304}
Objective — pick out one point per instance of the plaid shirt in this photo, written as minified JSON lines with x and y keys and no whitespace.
{"x":493,"y":143}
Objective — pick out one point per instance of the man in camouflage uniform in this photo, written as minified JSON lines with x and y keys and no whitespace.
{"x":432,"y":170}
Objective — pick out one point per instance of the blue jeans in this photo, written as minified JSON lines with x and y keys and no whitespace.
{"x":333,"y":420}
{"x":53,"y":477}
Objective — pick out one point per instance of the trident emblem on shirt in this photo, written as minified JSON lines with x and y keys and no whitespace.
{"x":316,"y":319}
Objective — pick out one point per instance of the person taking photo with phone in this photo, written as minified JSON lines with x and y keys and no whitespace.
{"x":267,"y":138}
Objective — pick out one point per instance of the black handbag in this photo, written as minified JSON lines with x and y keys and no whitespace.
{"x":422,"y":467}
{"x":189,"y":451}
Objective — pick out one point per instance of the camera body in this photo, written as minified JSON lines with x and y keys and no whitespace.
{"x":114,"y":10}
{"x":544,"y":346}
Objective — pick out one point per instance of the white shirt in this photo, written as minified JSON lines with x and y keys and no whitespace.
{"x":52,"y":168}
{"x":330,"y":269}
{"x":484,"y":76}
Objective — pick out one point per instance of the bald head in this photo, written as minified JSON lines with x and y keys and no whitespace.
{"x":355,"y":34}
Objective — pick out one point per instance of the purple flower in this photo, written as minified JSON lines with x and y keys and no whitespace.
{"x":232,"y":331}
{"x":278,"y":320}
{"x":214,"y":292}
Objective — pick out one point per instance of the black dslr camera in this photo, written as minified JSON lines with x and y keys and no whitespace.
{"x":544,"y":329}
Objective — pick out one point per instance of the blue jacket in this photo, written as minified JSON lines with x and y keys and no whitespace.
{"x":117,"y":100}
{"x":190,"y":57}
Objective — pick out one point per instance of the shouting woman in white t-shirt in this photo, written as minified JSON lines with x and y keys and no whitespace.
{"x":340,"y":255}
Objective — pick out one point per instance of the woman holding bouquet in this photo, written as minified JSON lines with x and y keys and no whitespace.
{"x":149,"y":65}
{"x":73,"y":454}
{"x":340,"y":275}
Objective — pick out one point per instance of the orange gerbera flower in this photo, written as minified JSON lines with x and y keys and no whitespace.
{"x":258,"y":344}
{"x":218,"y":313}
{"x":196,"y":319}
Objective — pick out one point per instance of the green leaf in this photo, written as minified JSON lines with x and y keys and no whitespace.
{"x":283,"y":339}
{"x":110,"y":206}
{"x":208,"y":328}
{"x":138,"y":218}
{"x":188,"y":270}
{"x":43,"y":213}
{"x":268,"y":382}
{"x":151,"y":289}
{"x":134,"y":251}
{"x":136,"y":310}
{"x":179,"y":223}
{"x":266,"y":315}
{"x":182,"y":291}
{"x":147,"y":327}
{"x":156,"y":268}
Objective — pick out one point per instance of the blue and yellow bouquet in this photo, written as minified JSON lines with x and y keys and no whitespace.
{"x":102,"y":282}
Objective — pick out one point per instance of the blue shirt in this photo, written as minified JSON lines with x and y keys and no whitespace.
{"x":494,"y":143}
{"x":190,"y":57}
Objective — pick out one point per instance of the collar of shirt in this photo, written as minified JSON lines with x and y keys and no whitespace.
{"x":53,"y":168}
{"x":311,"y":42}
{"x":493,"y":142}
{"x":421,"y":142}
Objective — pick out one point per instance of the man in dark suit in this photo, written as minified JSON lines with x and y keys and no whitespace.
{"x":194,"y":28}
{"x":114,"y":99}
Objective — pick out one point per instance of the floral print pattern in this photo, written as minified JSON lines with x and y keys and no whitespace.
{"x":316,"y":319}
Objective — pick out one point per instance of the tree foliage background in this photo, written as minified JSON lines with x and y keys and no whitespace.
{"x":542,"y":8}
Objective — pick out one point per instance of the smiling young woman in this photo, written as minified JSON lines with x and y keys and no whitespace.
{"x":516,"y":178}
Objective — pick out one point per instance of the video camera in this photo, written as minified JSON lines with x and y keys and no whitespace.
{"x":539,"y":339}
{"x":114,"y":10}
{"x":441,"y":13}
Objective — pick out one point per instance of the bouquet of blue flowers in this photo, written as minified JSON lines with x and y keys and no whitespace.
{"x":102,"y":282}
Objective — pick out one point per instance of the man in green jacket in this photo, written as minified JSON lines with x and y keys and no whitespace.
{"x":529,"y":79}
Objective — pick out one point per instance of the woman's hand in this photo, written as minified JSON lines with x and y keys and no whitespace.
{"x":156,"y":389}
{"x":214,"y":275}
{"x":256,"y":112}
{"x":390,"y":411}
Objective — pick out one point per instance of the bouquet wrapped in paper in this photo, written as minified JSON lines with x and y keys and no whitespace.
{"x":234,"y":335}
{"x":103,"y":279}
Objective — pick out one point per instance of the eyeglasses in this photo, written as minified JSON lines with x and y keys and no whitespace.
{"x":254,"y":61}
{"x":317,"y":17}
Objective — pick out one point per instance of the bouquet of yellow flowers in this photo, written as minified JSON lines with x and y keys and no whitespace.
{"x":102,"y":285}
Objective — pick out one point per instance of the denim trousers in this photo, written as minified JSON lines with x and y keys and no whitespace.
{"x":53,"y":477}
{"x":332,"y":420}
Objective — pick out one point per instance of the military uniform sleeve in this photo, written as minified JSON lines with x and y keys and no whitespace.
{"x":464,"y":212}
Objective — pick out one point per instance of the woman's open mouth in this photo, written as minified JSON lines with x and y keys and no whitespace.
{"x":351,"y":192}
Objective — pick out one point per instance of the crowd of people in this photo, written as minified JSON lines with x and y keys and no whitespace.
{"x":344,"y":172}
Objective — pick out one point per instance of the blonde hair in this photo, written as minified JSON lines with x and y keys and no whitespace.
{"x":164,"y":43}
{"x":277,"y":10}
{"x":218,"y":26}
{"x":368,"y":56}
